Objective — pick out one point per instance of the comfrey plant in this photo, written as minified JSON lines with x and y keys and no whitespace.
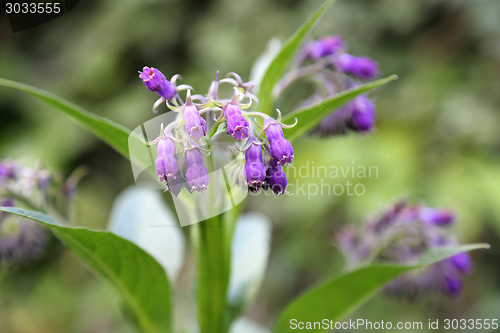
{"x":212,"y":142}
{"x":403,"y":234}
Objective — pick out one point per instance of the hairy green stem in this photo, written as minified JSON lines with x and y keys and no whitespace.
{"x":213,"y":263}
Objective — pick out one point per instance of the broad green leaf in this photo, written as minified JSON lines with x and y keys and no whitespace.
{"x":112,"y":133}
{"x":141,"y":216}
{"x":309,"y":117}
{"x":139,"y":279}
{"x":281,"y":62}
{"x":337,"y":298}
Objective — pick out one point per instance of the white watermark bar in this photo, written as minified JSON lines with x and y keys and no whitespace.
{"x":367,"y":325}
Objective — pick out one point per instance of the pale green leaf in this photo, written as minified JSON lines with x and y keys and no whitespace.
{"x":283,"y":59}
{"x":139,"y":279}
{"x":340,"y":296}
{"x":309,"y":117}
{"x":112,"y":133}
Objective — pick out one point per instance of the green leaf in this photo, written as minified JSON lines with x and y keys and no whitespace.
{"x":309,"y":117}
{"x":112,"y":133}
{"x":139,"y":279}
{"x":141,"y":216}
{"x":337,"y":298}
{"x":281,"y":62}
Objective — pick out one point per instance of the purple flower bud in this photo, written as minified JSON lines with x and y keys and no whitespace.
{"x":255,"y":170}
{"x":437,"y":216}
{"x":362,"y":67}
{"x":462,"y":262}
{"x":453,"y":285}
{"x":166,"y":164}
{"x":237,"y":125}
{"x":196,"y":173}
{"x":363,"y":114}
{"x":6,"y":172}
{"x":276,"y":178}
{"x":7,"y":202}
{"x":281,"y":148}
{"x":194,"y":123}
{"x":154,"y":80}
{"x":326,"y":46}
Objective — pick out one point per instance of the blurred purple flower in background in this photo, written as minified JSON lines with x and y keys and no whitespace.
{"x":402,"y":235}
{"x":22,"y":241}
{"x":362,"y":67}
{"x":326,"y":46}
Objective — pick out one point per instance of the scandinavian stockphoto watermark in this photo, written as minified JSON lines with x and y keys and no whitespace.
{"x":313,"y":179}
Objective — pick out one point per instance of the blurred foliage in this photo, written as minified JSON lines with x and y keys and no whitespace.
{"x":436,"y":136}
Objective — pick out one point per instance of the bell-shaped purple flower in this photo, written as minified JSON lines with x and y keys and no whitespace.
{"x":462,"y":262}
{"x":195,"y":125}
{"x":363,"y":114}
{"x":6,"y":171}
{"x":237,"y":125}
{"x":326,"y":46}
{"x":437,"y":216}
{"x":166,"y":163}
{"x":281,"y":149}
{"x":255,"y":170}
{"x":276,"y":177}
{"x":196,"y":173}
{"x":362,"y":67}
{"x":154,"y":80}
{"x":453,"y":285}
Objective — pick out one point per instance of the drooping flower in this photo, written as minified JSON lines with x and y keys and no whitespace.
{"x":462,"y":262}
{"x":255,"y":170}
{"x":402,"y":236}
{"x":357,"y":115}
{"x":6,"y":171}
{"x":280,"y":148}
{"x":166,"y":162}
{"x":363,"y":114}
{"x":326,"y":46}
{"x":276,"y":177}
{"x":237,"y":125}
{"x":362,"y":67}
{"x":196,"y":173}
{"x":195,"y":125}
{"x":437,"y":216}
{"x":154,"y":80}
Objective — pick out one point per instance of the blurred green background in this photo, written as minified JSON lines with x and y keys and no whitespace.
{"x":437,"y":136}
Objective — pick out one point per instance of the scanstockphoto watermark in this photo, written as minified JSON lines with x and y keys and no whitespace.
{"x":354,"y":324}
{"x":312,"y":179}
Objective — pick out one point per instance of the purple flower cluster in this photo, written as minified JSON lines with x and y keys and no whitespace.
{"x":402,"y":235}
{"x":332,"y":70}
{"x":23,"y":241}
{"x":182,"y":143}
